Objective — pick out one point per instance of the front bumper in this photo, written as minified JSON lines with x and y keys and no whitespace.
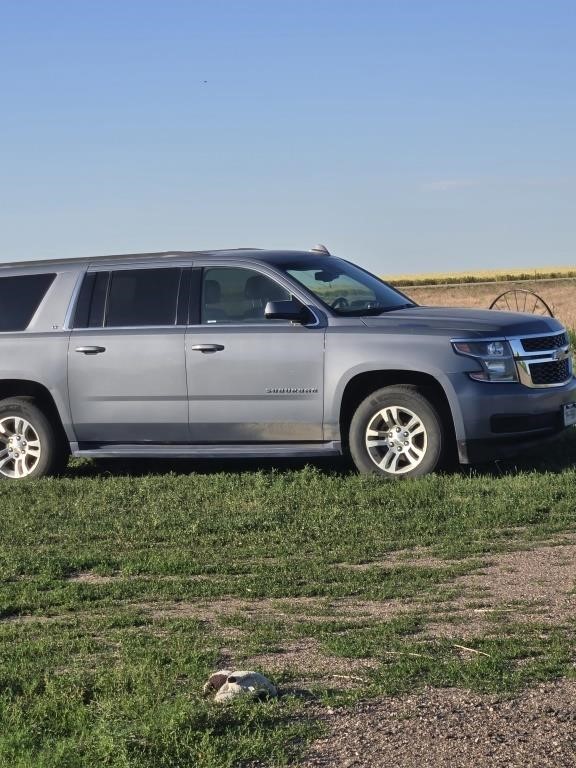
{"x":500,"y":420}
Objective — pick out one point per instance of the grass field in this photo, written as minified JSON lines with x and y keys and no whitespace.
{"x":120,"y":594}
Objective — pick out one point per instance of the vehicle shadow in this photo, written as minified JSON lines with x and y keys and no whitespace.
{"x":142,"y":467}
{"x":555,"y":457}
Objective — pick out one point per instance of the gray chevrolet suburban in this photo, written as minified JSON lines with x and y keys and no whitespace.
{"x":254,"y":353}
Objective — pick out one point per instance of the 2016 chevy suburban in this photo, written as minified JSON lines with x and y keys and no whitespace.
{"x":253,"y":353}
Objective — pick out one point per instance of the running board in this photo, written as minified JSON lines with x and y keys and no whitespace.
{"x":243,"y":451}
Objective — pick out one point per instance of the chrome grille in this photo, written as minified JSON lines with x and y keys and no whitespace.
{"x":543,"y":361}
{"x":544,"y":343}
{"x":553,"y":372}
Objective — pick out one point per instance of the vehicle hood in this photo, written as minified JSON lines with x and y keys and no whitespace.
{"x":459,"y":321}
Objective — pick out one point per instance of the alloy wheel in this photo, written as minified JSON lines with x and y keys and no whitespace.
{"x":20,"y":448}
{"x":396,"y":440}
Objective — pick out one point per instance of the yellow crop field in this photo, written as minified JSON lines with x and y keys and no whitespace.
{"x":479,"y":275}
{"x":486,"y":274}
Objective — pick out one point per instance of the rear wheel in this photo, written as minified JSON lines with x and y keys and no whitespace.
{"x":30,"y":446}
{"x":396,"y":432}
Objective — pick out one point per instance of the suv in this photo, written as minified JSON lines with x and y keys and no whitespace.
{"x":253,"y":353}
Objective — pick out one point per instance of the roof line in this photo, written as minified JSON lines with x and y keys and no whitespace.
{"x":115,"y":256}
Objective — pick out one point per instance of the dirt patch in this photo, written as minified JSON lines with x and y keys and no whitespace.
{"x":306,"y":657}
{"x":375,"y":609}
{"x":88,"y":577}
{"x":452,"y":729}
{"x":531,"y":585}
{"x":292,"y":611}
{"x":302,"y":655}
{"x":417,"y":557}
{"x":27,"y":618}
{"x":261,"y":610}
{"x":527,"y":585}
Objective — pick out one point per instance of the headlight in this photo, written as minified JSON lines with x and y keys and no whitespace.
{"x":495,"y":357}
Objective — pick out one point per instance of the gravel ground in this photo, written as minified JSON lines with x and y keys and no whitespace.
{"x":529,"y":585}
{"x":450,"y":728}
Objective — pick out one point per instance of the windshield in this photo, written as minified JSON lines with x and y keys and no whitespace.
{"x":345,"y":288}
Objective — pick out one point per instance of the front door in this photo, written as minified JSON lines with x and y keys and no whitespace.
{"x":251,"y":380}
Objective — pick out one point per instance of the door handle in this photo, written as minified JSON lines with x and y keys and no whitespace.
{"x":207,"y":347}
{"x":91,"y":350}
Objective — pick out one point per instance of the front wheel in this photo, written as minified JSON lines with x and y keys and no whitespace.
{"x":396,"y":432}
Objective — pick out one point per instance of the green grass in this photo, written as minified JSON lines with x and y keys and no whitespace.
{"x":109,"y":671}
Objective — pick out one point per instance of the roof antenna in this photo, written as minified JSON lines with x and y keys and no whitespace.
{"x":320,"y":249}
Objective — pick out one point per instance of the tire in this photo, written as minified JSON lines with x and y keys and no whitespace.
{"x":30,"y":445}
{"x":395,"y":433}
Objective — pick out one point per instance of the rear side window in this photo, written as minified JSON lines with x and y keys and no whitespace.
{"x":20,"y":297}
{"x":128,"y":298}
{"x":142,"y":297}
{"x":91,"y":300}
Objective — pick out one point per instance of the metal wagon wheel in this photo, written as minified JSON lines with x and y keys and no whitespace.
{"x":522,"y":300}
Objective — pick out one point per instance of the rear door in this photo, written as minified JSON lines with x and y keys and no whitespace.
{"x":251,"y":380}
{"x":126,"y":362}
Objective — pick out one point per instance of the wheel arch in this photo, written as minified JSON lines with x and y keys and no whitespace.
{"x":42,"y":397}
{"x":363,"y":384}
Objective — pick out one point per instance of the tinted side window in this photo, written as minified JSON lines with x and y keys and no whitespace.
{"x":237,"y":295}
{"x":20,"y":297}
{"x":142,"y":297}
{"x":91,"y":301}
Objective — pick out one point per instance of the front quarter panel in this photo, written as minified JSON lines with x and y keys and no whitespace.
{"x":351,"y":351}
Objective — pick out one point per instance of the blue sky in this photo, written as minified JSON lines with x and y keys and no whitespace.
{"x":407,"y":135}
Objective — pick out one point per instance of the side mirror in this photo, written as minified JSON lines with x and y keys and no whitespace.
{"x":286,"y":310}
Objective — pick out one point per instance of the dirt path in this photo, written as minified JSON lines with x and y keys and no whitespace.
{"x":453,"y":729}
